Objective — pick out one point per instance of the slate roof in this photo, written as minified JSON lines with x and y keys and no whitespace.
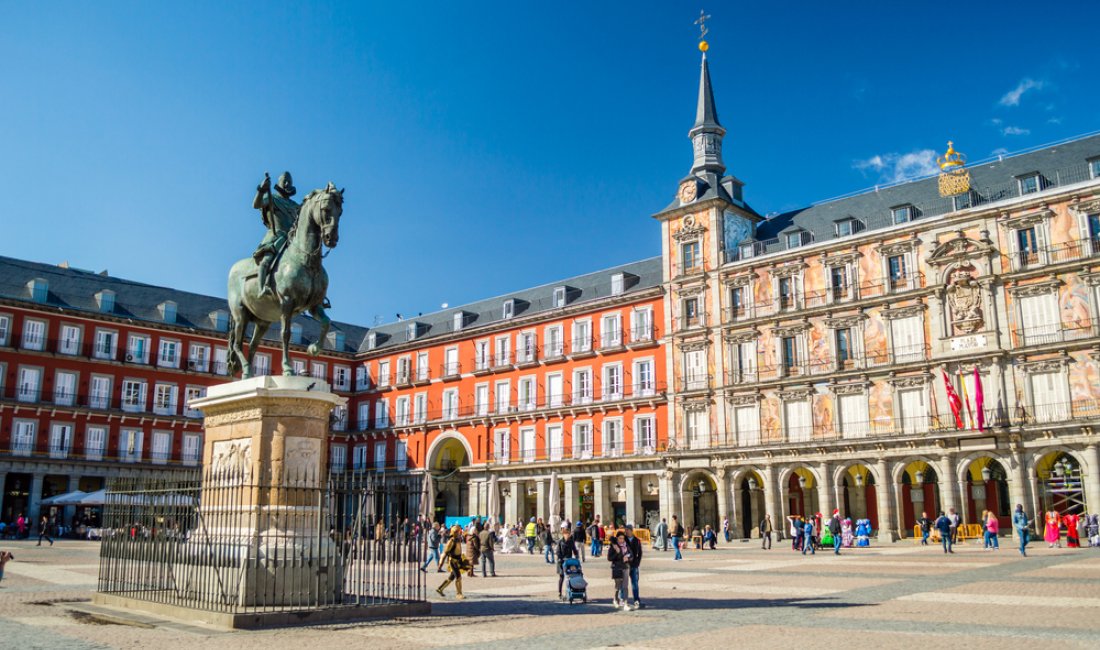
{"x":638,"y":276}
{"x":75,"y":289}
{"x":1060,"y":164}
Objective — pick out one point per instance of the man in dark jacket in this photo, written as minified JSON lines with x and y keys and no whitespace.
{"x":579,"y":538}
{"x":635,"y":546}
{"x":925,"y":528}
{"x":834,"y":530}
{"x":565,"y":549}
{"x":943,"y":524}
{"x":488,"y":540}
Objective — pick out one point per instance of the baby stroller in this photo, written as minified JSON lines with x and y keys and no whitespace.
{"x":576,"y":587}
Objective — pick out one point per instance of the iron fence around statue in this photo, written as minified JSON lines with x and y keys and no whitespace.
{"x":231,"y":542}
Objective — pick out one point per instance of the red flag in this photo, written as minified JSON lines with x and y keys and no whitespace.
{"x":979,"y":399}
{"x":969,"y":419}
{"x":954,"y":401}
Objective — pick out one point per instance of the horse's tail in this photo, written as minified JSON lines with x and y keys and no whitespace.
{"x":232,"y":363}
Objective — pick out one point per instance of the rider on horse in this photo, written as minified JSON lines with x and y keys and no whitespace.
{"x":280,"y":214}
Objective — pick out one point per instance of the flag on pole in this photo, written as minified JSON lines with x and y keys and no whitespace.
{"x":966,"y":401}
{"x":954,"y":401}
{"x":979,"y":400}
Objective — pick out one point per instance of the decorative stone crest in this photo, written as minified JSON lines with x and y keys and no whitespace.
{"x":742,"y":280}
{"x":788,"y":270}
{"x":231,"y":458}
{"x":1045,"y":365}
{"x":910,"y":381}
{"x":960,"y":249}
{"x":742,"y":337}
{"x":690,"y":229}
{"x":791,"y":330}
{"x":903,"y":312}
{"x":744,"y":399}
{"x":964,"y":296}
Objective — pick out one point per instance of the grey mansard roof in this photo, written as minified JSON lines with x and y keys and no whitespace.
{"x":1061,"y":164}
{"x":75,"y":289}
{"x":638,"y":276}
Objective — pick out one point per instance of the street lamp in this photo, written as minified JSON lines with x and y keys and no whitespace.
{"x":1058,"y":467}
{"x":649,"y":486}
{"x":752,"y":483}
{"x":618,"y":486}
{"x":859,"y":480}
{"x":506,"y":491}
{"x":531,"y":489}
{"x":919,"y":476}
{"x":986,"y":474}
{"x":801,"y":481}
{"x":702,"y":485}
{"x":588,"y":488}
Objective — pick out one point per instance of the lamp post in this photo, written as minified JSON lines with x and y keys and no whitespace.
{"x":752,"y":483}
{"x":986,"y":474}
{"x":918,"y":476}
{"x":802,"y":482}
{"x":859,"y":479}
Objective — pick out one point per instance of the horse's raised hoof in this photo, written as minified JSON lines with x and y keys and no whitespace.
{"x":288,"y":372}
{"x":314,"y":349}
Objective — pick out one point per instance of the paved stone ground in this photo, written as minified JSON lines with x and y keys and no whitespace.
{"x":877,"y":597}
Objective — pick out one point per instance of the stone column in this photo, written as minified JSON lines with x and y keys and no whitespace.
{"x":1091,"y":477}
{"x":3,"y":490}
{"x":771,"y":501}
{"x":949,"y":485}
{"x":572,"y":506}
{"x":512,"y":510}
{"x":888,"y":526}
{"x":824,"y":503}
{"x":1017,"y":482}
{"x":669,"y":503}
{"x":633,"y":501}
{"x":34,"y":507}
{"x":70,"y":511}
{"x":723,"y":485}
{"x":542,"y":507}
{"x":601,"y":500}
{"x":965,"y":516}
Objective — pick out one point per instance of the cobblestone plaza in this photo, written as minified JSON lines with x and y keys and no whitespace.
{"x":893,"y":596}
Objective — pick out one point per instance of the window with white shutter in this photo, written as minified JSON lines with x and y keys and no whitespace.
{"x":746,"y":420}
{"x":852,"y":415}
{"x":796,"y":417}
{"x":95,"y":441}
{"x":1039,"y":322}
{"x":1048,"y":396}
{"x":907,"y":339}
{"x":555,"y":441}
{"x":914,"y":414}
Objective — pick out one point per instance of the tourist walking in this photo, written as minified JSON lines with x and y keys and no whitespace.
{"x":726,"y":529}
{"x":634,"y":565}
{"x":566,"y":548}
{"x":473,"y":548}
{"x":808,"y":537}
{"x":1021,"y":523}
{"x":955,"y":520}
{"x":662,"y":534}
{"x":5,"y":557}
{"x":455,"y":562}
{"x":925,"y":528}
{"x":44,"y":530}
{"x":530,"y":532}
{"x":834,"y":530}
{"x":618,"y":554}
{"x":943,"y":524}
{"x":579,"y":539}
{"x":548,"y":544}
{"x":796,"y":532}
{"x":433,"y":549}
{"x":1053,"y":534}
{"x":766,"y":532}
{"x":595,"y":533}
{"x":992,"y":530}
{"x":677,"y":534}
{"x":487,"y":541}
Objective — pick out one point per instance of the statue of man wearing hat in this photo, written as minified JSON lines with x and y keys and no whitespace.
{"x":279,"y":214}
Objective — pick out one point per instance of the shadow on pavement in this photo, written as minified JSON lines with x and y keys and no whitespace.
{"x":510,"y":605}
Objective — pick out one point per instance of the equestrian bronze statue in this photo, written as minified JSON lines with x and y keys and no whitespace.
{"x":284,"y":277}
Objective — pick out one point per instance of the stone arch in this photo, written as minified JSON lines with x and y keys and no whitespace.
{"x":902,"y":463}
{"x":1034,"y":457}
{"x":440,"y":440}
{"x":685,"y":486}
{"x":962,"y":463}
{"x":784,"y":474}
{"x":842,"y":469}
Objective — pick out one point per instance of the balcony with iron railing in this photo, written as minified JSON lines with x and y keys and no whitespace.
{"x":611,"y":340}
{"x":582,"y":347}
{"x":527,"y":356}
{"x":824,"y":299}
{"x":450,"y":370}
{"x":570,"y":452}
{"x":1046,"y":334}
{"x":683,"y":269}
{"x":691,"y":322}
{"x":1066,"y":252}
{"x":694,"y":382}
{"x":643,"y":336}
{"x":42,"y":448}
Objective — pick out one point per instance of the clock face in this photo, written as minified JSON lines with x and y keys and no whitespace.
{"x":687,"y":192}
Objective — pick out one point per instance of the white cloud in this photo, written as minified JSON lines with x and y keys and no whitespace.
{"x":996,"y":121}
{"x":1054,"y":120}
{"x":895,"y":167}
{"x":1000,"y":151}
{"x":1012,"y":97}
{"x":1015,"y":130}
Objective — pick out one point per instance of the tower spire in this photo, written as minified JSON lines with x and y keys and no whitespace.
{"x":706,"y":135}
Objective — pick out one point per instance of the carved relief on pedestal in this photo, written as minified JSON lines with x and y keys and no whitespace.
{"x":302,"y":458}
{"x":964,"y":297}
{"x":231,"y":459}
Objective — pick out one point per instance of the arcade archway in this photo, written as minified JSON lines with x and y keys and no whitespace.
{"x":447,"y":455}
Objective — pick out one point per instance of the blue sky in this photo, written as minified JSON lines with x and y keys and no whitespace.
{"x":487,"y":147}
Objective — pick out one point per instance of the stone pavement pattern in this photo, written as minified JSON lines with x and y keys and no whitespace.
{"x":876,"y":597}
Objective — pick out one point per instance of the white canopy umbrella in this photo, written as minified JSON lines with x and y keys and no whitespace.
{"x":427,"y":498}
{"x":99,"y":497}
{"x":555,"y":502}
{"x":494,"y":500}
{"x":67,"y":499}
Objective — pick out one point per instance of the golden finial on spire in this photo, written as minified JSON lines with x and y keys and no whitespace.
{"x":702,"y":23}
{"x":954,"y":177}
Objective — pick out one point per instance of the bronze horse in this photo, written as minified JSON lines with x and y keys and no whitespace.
{"x":300,"y":283}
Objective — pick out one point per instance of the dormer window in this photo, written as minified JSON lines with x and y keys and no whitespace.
{"x":902,"y":214}
{"x":106,"y":301}
{"x":372,"y":341}
{"x":617,"y":284}
{"x":797,"y":238}
{"x":1029,"y":183}
{"x":411,"y":330}
{"x":40,"y":289}
{"x":509,"y":309}
{"x":167,"y":311}
{"x":459,"y":321}
{"x":962,"y":201}
{"x":747,"y":251}
{"x":220,"y":319}
{"x":849,"y":226}
{"x":295,"y":334}
{"x":336,"y":341}
{"x":1094,"y":168}
{"x":559,"y":296}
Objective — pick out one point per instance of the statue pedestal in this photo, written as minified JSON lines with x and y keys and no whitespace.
{"x":260,"y":540}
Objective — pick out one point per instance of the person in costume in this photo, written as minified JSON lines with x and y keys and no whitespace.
{"x":455,"y":562}
{"x":863,"y":532}
{"x":1053,"y":534}
{"x":827,"y":533}
{"x":1073,"y":540}
{"x":847,"y":539}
